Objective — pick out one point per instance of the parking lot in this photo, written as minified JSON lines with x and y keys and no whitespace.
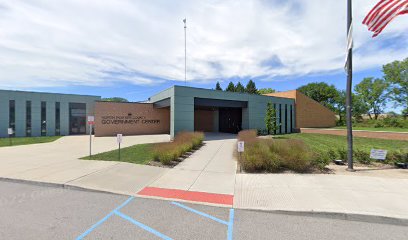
{"x":46,"y":212}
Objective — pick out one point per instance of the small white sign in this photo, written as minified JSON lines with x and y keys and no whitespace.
{"x":378,"y":154}
{"x":241,"y":146}
{"x":91,"y":120}
{"x":10,"y":131}
{"x":119,"y":138}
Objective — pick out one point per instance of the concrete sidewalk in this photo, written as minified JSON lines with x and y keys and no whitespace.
{"x":57,"y":162}
{"x":210,"y":169}
{"x":323,"y":193}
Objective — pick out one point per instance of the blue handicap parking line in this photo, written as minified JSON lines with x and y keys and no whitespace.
{"x":141,"y":225}
{"x":230,"y":222}
{"x":126,"y":217}
{"x":103,"y":219}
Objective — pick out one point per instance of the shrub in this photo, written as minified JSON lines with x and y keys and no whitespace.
{"x":342,"y":154}
{"x":400,"y":156}
{"x":295,"y":155}
{"x":362,"y":156}
{"x":332,"y":155}
{"x":182,"y":143}
{"x":257,"y":157}
{"x":322,"y":159}
{"x":247,"y":135}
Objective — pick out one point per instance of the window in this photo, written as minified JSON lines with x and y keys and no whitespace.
{"x":291,"y":118}
{"x":77,"y":118}
{"x":280,"y":119}
{"x":286,"y":118}
{"x":28,"y":118}
{"x":43,"y":118}
{"x":57,"y":119}
{"x":274,"y":107}
{"x":12,"y":115}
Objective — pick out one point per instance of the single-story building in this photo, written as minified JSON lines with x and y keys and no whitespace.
{"x":175,"y":109}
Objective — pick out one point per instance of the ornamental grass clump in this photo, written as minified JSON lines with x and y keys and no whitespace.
{"x":270,"y":155}
{"x":183,"y":142}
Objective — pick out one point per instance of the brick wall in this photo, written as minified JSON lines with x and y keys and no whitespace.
{"x":309,"y":113}
{"x":112,"y":118}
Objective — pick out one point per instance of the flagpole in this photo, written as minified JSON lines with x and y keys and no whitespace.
{"x":348,"y":91}
{"x":185,"y":51}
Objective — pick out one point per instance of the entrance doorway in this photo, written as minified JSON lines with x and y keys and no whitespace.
{"x":77,"y":118}
{"x":230,"y":120}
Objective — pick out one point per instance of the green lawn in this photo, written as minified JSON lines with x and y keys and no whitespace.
{"x":4,"y":142}
{"x":388,"y":129}
{"x":319,"y":142}
{"x":140,"y":154}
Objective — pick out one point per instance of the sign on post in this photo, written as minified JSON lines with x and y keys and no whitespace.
{"x":91,"y":120}
{"x":119,"y":139}
{"x":241,"y":146}
{"x":378,"y":154}
{"x":10,"y":131}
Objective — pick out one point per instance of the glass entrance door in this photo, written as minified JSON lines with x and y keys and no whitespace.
{"x":77,"y":118}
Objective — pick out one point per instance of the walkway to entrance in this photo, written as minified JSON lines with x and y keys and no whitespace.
{"x":211,"y":169}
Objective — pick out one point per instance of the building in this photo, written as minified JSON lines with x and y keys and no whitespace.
{"x":44,"y":114}
{"x":171,"y":111}
{"x":309,"y":113}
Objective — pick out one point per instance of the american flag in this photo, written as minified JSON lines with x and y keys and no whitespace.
{"x":383,"y":13}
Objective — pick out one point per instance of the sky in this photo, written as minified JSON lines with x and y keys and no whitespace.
{"x":135,"y":48}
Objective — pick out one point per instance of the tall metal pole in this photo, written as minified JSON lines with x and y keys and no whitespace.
{"x":185,"y":51}
{"x":348,"y":91}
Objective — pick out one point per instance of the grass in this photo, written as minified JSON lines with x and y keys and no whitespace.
{"x":139,"y":154}
{"x":318,"y":142}
{"x":15,"y":141}
{"x":387,"y":129}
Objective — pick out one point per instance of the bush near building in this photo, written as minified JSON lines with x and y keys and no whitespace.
{"x":183,"y":142}
{"x":275,"y":155}
{"x":311,"y":152}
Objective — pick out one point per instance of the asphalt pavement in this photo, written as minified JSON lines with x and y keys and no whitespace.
{"x":30,"y":211}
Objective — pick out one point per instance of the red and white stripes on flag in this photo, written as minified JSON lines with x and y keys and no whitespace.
{"x":383,"y":13}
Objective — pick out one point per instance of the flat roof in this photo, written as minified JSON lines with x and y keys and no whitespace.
{"x":70,"y":94}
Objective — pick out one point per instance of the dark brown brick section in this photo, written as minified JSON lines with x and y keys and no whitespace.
{"x":367,"y":134}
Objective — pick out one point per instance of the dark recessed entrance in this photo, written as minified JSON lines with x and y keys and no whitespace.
{"x":230,"y":120}
{"x":77,"y":118}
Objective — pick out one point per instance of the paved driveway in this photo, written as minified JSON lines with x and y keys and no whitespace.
{"x":57,"y":162}
{"x":38,"y":212}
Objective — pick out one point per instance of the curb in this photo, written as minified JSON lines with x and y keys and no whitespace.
{"x":340,"y":216}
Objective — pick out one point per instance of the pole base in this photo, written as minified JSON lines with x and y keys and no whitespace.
{"x":350,"y":170}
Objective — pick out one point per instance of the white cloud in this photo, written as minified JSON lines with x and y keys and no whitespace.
{"x":50,"y":43}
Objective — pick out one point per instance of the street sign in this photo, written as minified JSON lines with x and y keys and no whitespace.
{"x":241,"y":146}
{"x":91,"y":120}
{"x":378,"y":154}
{"x":119,"y":138}
{"x":10,"y":131}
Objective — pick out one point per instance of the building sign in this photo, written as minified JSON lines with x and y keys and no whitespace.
{"x":241,"y":146}
{"x":378,"y":154}
{"x":129,"y":119}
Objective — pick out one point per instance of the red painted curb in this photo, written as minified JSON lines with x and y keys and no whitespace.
{"x":188,"y":195}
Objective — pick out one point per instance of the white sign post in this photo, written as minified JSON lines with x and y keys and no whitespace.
{"x":241,"y":148}
{"x":91,"y":122}
{"x":10,"y":133}
{"x":378,"y":154}
{"x":119,"y":139}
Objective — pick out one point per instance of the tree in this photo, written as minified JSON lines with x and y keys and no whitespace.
{"x":251,"y":88}
{"x":230,"y":87}
{"x":239,"y":88}
{"x":396,"y":75}
{"x":115,"y":99}
{"x":321,"y":92}
{"x":265,"y":91}
{"x":373,"y":92}
{"x":271,"y":119}
{"x":218,"y":86}
{"x":360,"y":107}
{"x":340,"y":105}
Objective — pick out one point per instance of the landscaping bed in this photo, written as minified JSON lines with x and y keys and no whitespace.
{"x":166,"y":154}
{"x":311,"y":153}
